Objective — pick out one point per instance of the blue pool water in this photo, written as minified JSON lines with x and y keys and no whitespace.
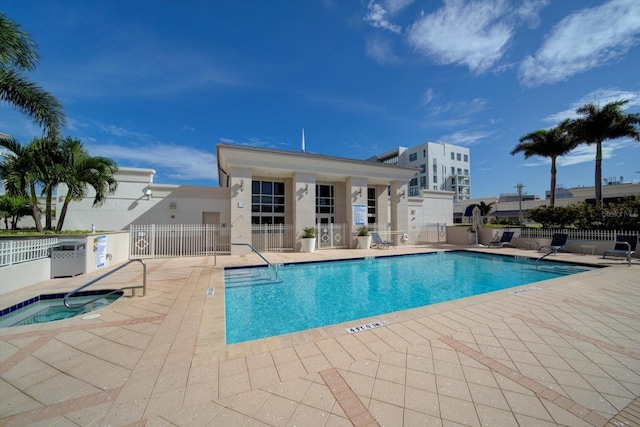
{"x":319,"y":294}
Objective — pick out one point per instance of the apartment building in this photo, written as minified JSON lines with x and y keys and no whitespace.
{"x":442,"y":167}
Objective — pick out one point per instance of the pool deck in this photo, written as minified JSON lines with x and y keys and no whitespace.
{"x":559,"y":352}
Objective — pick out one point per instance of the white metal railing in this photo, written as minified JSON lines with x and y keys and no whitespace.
{"x":602,"y":235}
{"x":17,"y":251}
{"x":176,"y":240}
{"x":273,"y":238}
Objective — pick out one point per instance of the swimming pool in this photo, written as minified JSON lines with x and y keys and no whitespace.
{"x":325,"y":293}
{"x":50,"y":307}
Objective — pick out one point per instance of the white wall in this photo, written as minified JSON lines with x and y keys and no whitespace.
{"x":167,"y":204}
{"x":431,"y":207}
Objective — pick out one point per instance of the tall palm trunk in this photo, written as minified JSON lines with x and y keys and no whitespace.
{"x":35,"y":211}
{"x":598,"y":174}
{"x":553,"y":181}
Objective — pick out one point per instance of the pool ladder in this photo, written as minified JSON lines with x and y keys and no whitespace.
{"x":556,"y":250}
{"x":260,"y":255}
{"x":97,"y":279}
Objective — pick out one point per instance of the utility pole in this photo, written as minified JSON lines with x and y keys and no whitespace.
{"x":519,"y":186}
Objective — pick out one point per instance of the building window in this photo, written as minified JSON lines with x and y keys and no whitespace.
{"x":423,"y":182}
{"x":371,"y":205}
{"x":435,"y":168}
{"x":435,"y":187}
{"x":324,"y":199}
{"x":466,"y":172}
{"x":413,"y":182}
{"x":453,"y":155}
{"x":413,"y":157}
{"x":459,"y":157}
{"x":424,"y":153}
{"x":459,"y":171}
{"x":423,"y":168}
{"x":453,"y":170}
{"x":466,"y":158}
{"x":435,"y":179}
{"x":267,"y":202}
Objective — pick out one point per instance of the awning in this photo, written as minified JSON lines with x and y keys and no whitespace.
{"x":506,"y":214}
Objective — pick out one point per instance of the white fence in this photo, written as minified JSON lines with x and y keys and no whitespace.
{"x":169,"y":240}
{"x":602,"y":235}
{"x":273,"y":238}
{"x":17,"y":251}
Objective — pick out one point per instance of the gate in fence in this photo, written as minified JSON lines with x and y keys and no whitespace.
{"x":331,"y":236}
{"x":169,"y":240}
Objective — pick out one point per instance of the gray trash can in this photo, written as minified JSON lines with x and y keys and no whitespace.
{"x":68,"y":259}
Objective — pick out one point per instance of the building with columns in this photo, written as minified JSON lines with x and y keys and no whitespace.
{"x":269,"y":186}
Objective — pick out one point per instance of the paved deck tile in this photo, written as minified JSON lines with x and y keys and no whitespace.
{"x":564,"y":352}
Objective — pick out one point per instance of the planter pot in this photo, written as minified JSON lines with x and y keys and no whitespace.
{"x":308,"y":244}
{"x":472,"y":238}
{"x":364,"y":242}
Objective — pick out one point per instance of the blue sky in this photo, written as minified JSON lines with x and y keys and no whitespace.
{"x":157,"y":84}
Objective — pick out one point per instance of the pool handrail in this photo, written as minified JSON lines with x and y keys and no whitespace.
{"x":556,"y":250}
{"x":260,"y":255}
{"x":97,"y":279}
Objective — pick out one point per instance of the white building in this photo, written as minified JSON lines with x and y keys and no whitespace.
{"x":441,"y":167}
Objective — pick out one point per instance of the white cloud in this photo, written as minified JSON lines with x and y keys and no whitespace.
{"x":465,"y":137}
{"x":178,"y":161}
{"x":427,"y":96}
{"x":380,"y":50}
{"x":529,"y":11}
{"x":377,"y":17}
{"x":600,"y":96}
{"x":587,"y":153}
{"x":584,"y":40}
{"x":395,"y":6}
{"x":470,"y":33}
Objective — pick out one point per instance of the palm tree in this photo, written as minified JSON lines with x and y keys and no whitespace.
{"x":600,"y":124}
{"x":551,"y":143}
{"x":18,"y":54}
{"x":19,"y":176}
{"x":49,"y":170}
{"x":83,"y":171}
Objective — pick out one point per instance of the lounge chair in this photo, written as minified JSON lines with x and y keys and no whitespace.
{"x":379,"y":243}
{"x":505,"y":240}
{"x":558,"y":241}
{"x":625,"y":246}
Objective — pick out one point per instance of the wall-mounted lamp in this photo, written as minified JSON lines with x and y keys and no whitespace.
{"x":402,"y":194}
{"x":148,"y":193}
{"x":360,"y":192}
{"x":242,"y":185}
{"x":306,"y":189}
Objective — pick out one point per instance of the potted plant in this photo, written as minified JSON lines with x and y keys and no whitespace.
{"x":364,"y":237}
{"x":308,"y":239}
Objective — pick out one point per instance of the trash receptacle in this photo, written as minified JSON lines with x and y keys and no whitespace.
{"x":68,"y":259}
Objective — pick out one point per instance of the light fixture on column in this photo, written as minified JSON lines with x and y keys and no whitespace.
{"x":242,"y":185}
{"x":360,"y":192}
{"x":306,"y":189}
{"x":148,"y":193}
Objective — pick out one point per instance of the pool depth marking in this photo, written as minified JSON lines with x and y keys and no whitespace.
{"x":366,"y":327}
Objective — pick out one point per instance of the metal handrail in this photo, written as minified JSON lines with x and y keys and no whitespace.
{"x":260,"y":255}
{"x":97,"y":279}
{"x":556,"y":250}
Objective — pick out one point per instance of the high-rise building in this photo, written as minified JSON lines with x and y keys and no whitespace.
{"x":442,"y":167}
